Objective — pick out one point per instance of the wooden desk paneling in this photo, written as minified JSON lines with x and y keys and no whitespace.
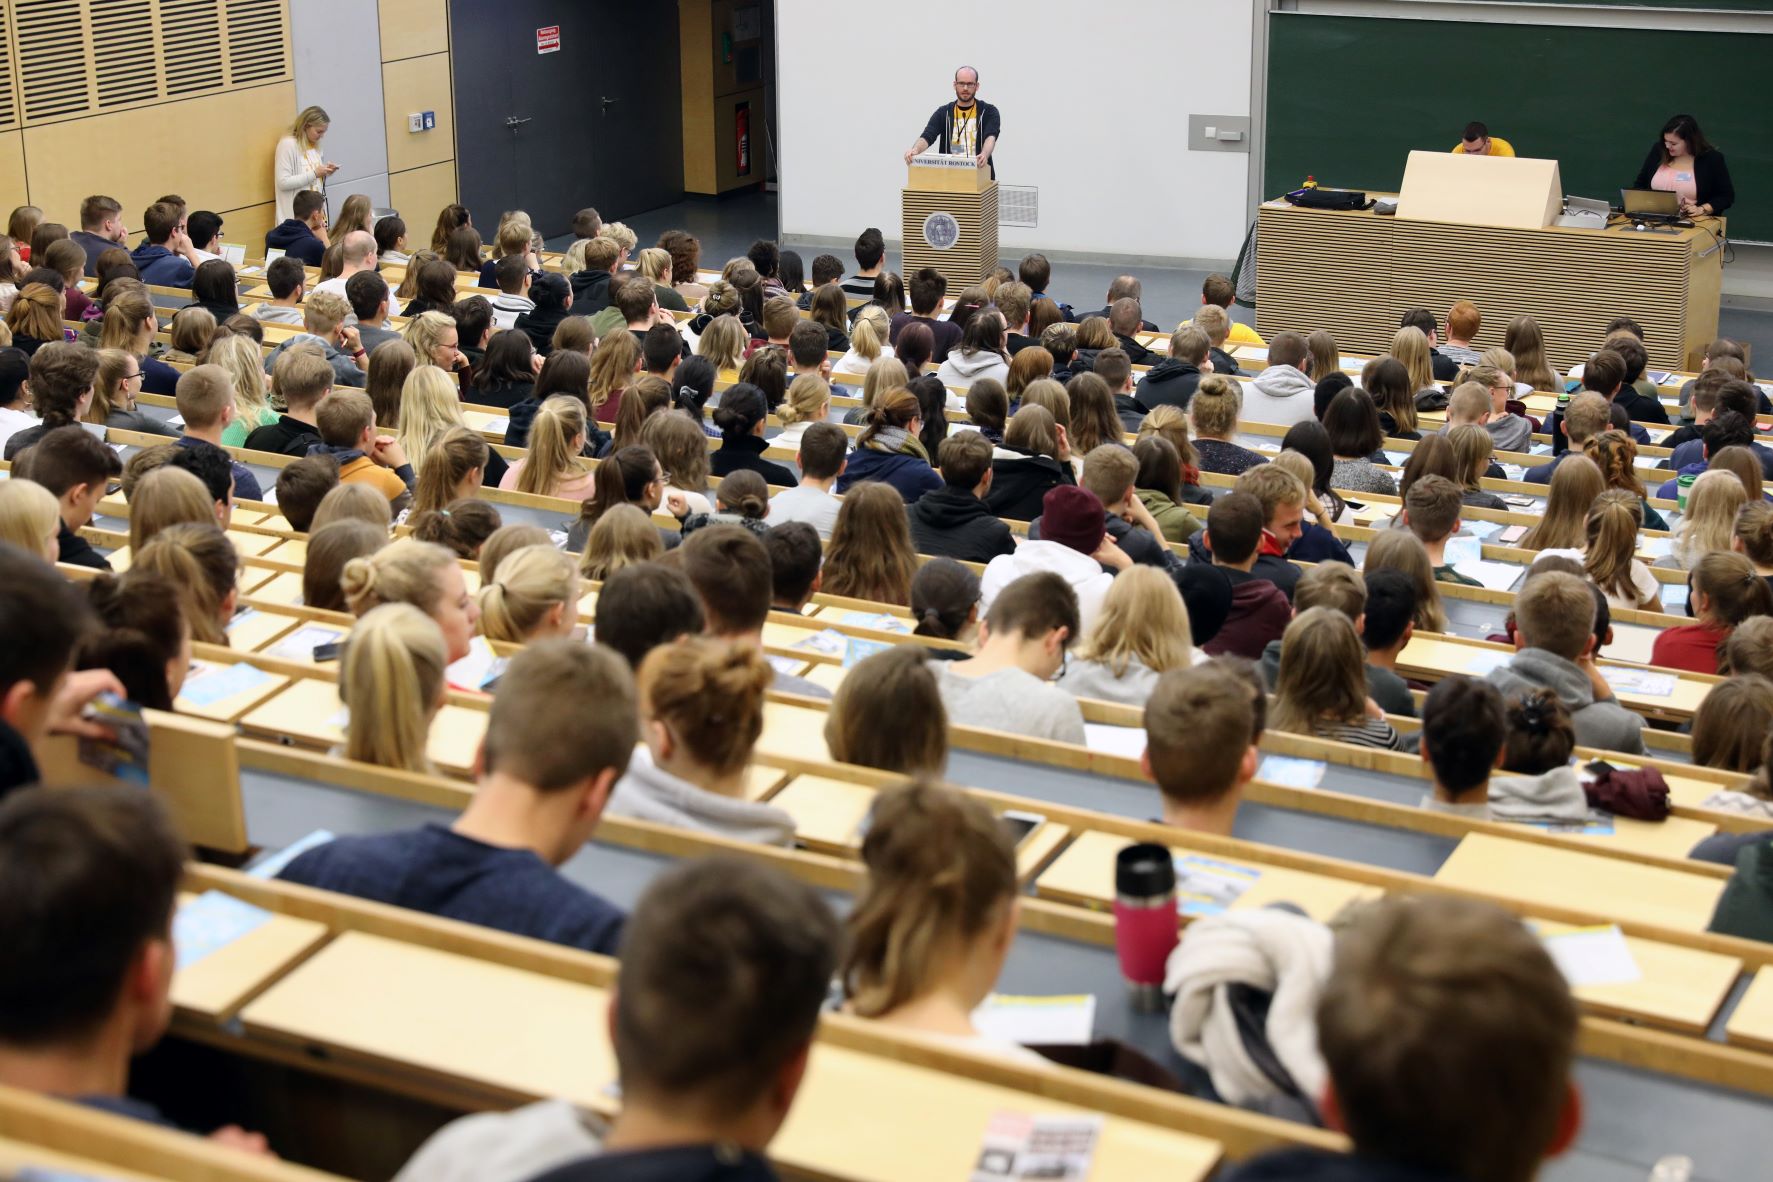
{"x":1356,"y":273}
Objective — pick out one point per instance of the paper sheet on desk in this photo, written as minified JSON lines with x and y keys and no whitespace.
{"x":1397,"y":459}
{"x":210,"y":922}
{"x":1482,"y":660}
{"x":1291,"y":772}
{"x":1127,"y":741}
{"x":1018,"y":1147}
{"x":1497,"y":576}
{"x":478,"y":668}
{"x":1643,"y":682}
{"x":1208,"y":886}
{"x":210,"y":684}
{"x":1483,"y":531}
{"x":1463,"y":548}
{"x":1593,"y":956}
{"x":1654,"y":548}
{"x":300,"y":644}
{"x":1067,"y":1019}
{"x":1513,"y":472}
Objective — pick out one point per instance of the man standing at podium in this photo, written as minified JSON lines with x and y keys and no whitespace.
{"x":965,"y":127}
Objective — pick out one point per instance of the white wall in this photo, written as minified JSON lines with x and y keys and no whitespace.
{"x":1095,"y":102}
{"x":336,"y":45}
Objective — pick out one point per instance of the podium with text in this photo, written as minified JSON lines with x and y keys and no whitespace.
{"x":949,"y":209}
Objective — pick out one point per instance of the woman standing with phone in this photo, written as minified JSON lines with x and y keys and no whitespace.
{"x":299,"y":164}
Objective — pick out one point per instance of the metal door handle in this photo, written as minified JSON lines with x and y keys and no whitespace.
{"x":513,"y":122}
{"x":607,"y":101}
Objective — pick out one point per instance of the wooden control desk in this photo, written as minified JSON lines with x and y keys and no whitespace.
{"x":1356,"y":273}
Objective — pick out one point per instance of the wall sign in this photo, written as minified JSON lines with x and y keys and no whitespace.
{"x":548,"y":39}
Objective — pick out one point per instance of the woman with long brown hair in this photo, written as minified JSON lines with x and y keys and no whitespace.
{"x":889,"y":450}
{"x":870,"y":555}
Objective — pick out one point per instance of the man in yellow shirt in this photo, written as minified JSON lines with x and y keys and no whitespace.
{"x":1219,"y":290}
{"x":1478,"y":141}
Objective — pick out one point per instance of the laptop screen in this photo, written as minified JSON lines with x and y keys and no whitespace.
{"x":1649,"y":201}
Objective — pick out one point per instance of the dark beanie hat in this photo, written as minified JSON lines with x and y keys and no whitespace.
{"x":1073,"y":517}
{"x":1206,"y":593}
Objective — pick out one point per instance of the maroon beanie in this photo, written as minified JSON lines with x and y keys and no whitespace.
{"x":1073,"y":517}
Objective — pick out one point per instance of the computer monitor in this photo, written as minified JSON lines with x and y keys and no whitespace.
{"x":1654,"y":202}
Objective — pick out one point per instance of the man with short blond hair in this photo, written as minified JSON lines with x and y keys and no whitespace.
{"x":779,"y":318}
{"x":1282,"y":498}
{"x":205,"y":397}
{"x":1588,"y":415}
{"x":1431,"y":512}
{"x":1015,"y":301}
{"x":1218,"y":291}
{"x":1216,"y":323}
{"x":1554,"y":640}
{"x":1201,"y":736}
{"x":324,"y":317}
{"x":347,"y":421}
{"x":1109,"y":473}
{"x":101,"y":229}
{"x":1173,"y":380}
{"x":300,"y":379}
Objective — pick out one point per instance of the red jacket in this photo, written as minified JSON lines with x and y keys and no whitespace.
{"x":1259,"y":613}
{"x":1693,"y":647}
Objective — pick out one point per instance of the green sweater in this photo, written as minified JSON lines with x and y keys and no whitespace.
{"x":1177,"y":523}
{"x":1746,"y":906}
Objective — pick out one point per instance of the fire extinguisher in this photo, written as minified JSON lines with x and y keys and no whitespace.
{"x":742,"y":135}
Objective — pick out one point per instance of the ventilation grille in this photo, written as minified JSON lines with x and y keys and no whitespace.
{"x":8,"y":90}
{"x":1018,"y":205}
{"x":70,"y":58}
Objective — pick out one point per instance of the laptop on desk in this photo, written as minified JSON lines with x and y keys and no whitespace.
{"x":1639,"y":203}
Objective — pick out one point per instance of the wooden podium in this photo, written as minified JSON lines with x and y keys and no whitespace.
{"x":949,"y":209}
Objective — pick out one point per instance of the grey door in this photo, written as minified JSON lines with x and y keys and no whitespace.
{"x":587,"y":124}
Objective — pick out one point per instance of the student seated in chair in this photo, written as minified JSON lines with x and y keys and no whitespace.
{"x":76,"y":467}
{"x":1431,"y":512}
{"x":370,"y":301}
{"x":931,"y":929}
{"x":1202,"y":728}
{"x":730,"y":570}
{"x":1640,"y":406}
{"x":1022,"y":642}
{"x":1450,"y":1038}
{"x":106,"y":863}
{"x":1259,"y":609}
{"x":795,"y":555}
{"x":642,"y":606}
{"x":701,"y":713}
{"x":347,"y":422}
{"x":303,"y":235}
{"x":538,"y":800}
{"x":300,"y":379}
{"x":1284,"y":392}
{"x":287,"y":279}
{"x":1282,"y":497}
{"x":206,"y":401}
{"x":1554,"y":616}
{"x":1218,"y":291}
{"x":822,"y":457}
{"x":1463,"y":730}
{"x":1588,"y":415}
{"x":1386,"y":626}
{"x":1109,"y":472}
{"x":707,"y":1077}
{"x":954,"y":521}
{"x":323,"y":324}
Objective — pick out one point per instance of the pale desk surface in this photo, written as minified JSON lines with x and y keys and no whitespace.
{"x":307,"y":710}
{"x":1681,"y":988}
{"x":293,"y":550}
{"x":1085,"y":873}
{"x":1672,"y":837}
{"x":796,"y":732}
{"x":827,"y":813}
{"x":1752,"y":1023}
{"x":250,"y":631}
{"x":234,"y":706}
{"x":1439,"y":656}
{"x":284,"y":588}
{"x":214,"y":987}
{"x":461,"y":1019}
{"x":1610,"y":887}
{"x":17,"y":1156}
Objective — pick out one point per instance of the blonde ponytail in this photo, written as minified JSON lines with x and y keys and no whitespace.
{"x":392,"y":679}
{"x":869,"y":333}
{"x":555,"y":435}
{"x":531,"y":582}
{"x":940,"y":872}
{"x":404,"y":571}
{"x":452,"y":457}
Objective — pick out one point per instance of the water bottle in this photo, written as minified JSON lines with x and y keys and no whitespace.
{"x":1676,"y":1167}
{"x":1145,"y":924}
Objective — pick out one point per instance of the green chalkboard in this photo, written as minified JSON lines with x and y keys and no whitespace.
{"x":1350,"y":97}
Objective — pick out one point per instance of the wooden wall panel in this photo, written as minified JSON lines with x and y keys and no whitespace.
{"x":137,"y":155}
{"x":696,"y":54}
{"x":418,"y":84}
{"x":13,"y":190}
{"x":247,"y":226}
{"x":414,"y":28}
{"x":420,"y":193}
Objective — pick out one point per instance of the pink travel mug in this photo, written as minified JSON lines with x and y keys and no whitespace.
{"x":1145,"y":924}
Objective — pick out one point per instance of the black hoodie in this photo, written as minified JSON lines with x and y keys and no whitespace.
{"x":590,"y":292}
{"x":953,"y":523}
{"x":1170,"y":383}
{"x":1318,"y":1165}
{"x":1019,"y":483}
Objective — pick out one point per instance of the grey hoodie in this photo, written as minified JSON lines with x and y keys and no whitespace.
{"x":1280,"y":394}
{"x":1604,"y":724}
{"x":1550,"y":796}
{"x":648,"y":793}
{"x":961,"y":370}
{"x":1510,"y":433}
